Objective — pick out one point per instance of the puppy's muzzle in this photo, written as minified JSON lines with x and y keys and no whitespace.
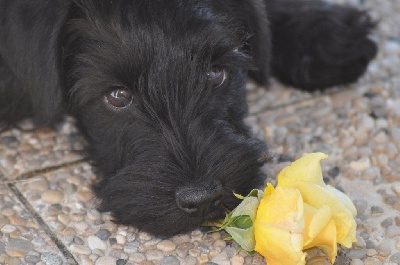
{"x":200,"y":198}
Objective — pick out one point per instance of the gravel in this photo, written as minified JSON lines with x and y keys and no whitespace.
{"x":359,"y":127}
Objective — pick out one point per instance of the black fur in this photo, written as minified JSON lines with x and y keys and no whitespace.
{"x":180,"y":134}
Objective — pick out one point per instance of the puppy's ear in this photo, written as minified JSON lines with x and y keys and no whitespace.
{"x":260,"y":41}
{"x":254,"y":15}
{"x":30,"y":34}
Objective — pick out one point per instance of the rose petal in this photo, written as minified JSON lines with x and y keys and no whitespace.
{"x":317,"y":196}
{"x":320,"y":230}
{"x":307,"y":168}
{"x":279,"y":227}
{"x":319,"y":219}
{"x":344,"y":199}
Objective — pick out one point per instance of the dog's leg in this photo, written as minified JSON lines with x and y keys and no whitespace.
{"x":318,"y":45}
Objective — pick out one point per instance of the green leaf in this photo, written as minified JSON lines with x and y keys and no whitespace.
{"x":239,"y":222}
{"x":217,"y":223}
{"x":243,"y":222}
{"x":247,"y":207}
{"x":240,"y":197}
{"x":255,"y":193}
{"x":244,"y":237}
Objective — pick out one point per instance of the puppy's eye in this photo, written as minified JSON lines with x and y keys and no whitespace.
{"x":119,"y":97}
{"x":217,"y":76}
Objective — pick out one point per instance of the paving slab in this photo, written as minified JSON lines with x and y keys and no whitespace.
{"x":25,"y":149}
{"x":357,"y":125}
{"x":64,"y":201}
{"x":22,"y":239}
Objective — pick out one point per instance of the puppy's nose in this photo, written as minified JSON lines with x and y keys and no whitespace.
{"x":200,"y":197}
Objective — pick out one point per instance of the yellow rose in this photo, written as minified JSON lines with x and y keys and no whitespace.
{"x":279,"y":227}
{"x":305,"y":175}
{"x":301,"y":213}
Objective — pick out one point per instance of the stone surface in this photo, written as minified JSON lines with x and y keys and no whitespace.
{"x":21,"y":237}
{"x":358,"y":126}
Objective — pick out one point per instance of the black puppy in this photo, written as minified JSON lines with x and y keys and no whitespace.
{"x":157,"y":88}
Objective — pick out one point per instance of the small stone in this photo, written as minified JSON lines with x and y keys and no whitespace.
{"x":342,"y":260}
{"x":137,"y":257}
{"x":7,"y":229}
{"x":154,"y":255}
{"x":366,"y":123}
{"x":194,"y":252}
{"x":78,"y":240}
{"x":369,"y":244}
{"x":51,"y":259}
{"x":12,"y":261}
{"x":93,"y":214}
{"x":356,"y":262}
{"x":96,"y":243}
{"x":360,"y":242}
{"x":216,"y":235}
{"x":189,"y":261}
{"x":103,"y":234}
{"x":82,"y":250}
{"x":18,"y":247}
{"x":202,"y":259}
{"x":182,"y":250}
{"x":318,"y":261}
{"x":383,"y":250}
{"x":370,"y":95}
{"x":170,"y":260}
{"x":10,"y":141}
{"x":361,"y":205}
{"x":365,"y":235}
{"x":220,"y":244}
{"x":360,"y":165}
{"x":120,"y":239}
{"x":106,"y":260}
{"x":372,"y":261}
{"x":132,"y":247}
{"x":53,"y":196}
{"x":372,"y":253}
{"x":121,"y":262}
{"x":387,"y":222}
{"x":69,"y":231}
{"x":357,"y":254}
{"x":395,"y":132}
{"x":145,"y":236}
{"x":237,"y":260}
{"x":375,"y":210}
{"x":371,"y":173}
{"x":130,"y":237}
{"x":39,"y":185}
{"x":64,"y":219}
{"x":221,"y":259}
{"x":396,"y":189}
{"x":116,"y":253}
{"x":393,"y":231}
{"x":334,"y":172}
{"x":380,"y":138}
{"x":32,"y":259}
{"x":196,"y":235}
{"x":81,"y":226}
{"x":391,"y":200}
{"x":166,"y":246}
{"x":395,"y":258}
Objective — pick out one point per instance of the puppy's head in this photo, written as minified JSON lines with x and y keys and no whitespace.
{"x":158,"y":88}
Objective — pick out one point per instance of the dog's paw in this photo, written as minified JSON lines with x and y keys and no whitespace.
{"x":328,"y":47}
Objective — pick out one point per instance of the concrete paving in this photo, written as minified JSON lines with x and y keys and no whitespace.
{"x":48,"y":214}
